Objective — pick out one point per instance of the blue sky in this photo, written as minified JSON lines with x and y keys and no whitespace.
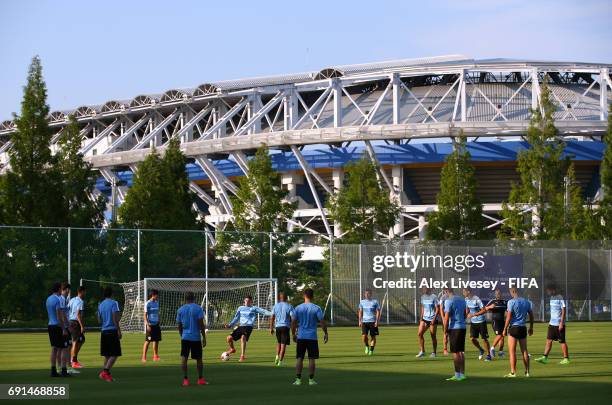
{"x":96,"y":51}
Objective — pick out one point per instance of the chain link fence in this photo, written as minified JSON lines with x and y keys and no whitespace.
{"x":396,"y":271}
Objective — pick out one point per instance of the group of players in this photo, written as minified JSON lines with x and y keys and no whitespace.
{"x":509,"y":318}
{"x":67,"y":331}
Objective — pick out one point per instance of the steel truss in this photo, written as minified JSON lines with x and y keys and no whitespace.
{"x":391,"y":102}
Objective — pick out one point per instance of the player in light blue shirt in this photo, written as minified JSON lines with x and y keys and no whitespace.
{"x":369,"y":315}
{"x":556,"y":325}
{"x":442,"y":297}
{"x":304,"y":320}
{"x":152,"y":327}
{"x":519,"y":309}
{"x":429,"y":317}
{"x":190,"y":319}
{"x":478,"y":323}
{"x":65,"y":293}
{"x":281,"y":323}
{"x":110,"y":338}
{"x":245,"y":317}
{"x":76,"y":327}
{"x":454,"y":326}
{"x":56,"y":329}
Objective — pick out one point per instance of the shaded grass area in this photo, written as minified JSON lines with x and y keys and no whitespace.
{"x":345,"y":374}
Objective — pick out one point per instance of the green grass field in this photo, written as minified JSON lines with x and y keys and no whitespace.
{"x":345,"y":374}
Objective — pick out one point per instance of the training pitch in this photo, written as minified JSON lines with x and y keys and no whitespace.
{"x":345,"y":374}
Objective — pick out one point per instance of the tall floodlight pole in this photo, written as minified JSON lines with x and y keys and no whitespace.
{"x":206,"y":276}
{"x":138,"y":262}
{"x":331,"y":279}
{"x":69,"y":254}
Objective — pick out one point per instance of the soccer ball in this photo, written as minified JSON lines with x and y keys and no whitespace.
{"x":225,"y":356}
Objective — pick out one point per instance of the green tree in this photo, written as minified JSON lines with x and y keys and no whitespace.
{"x":260,"y":207}
{"x":459,"y":215}
{"x":541,"y":169}
{"x":362,"y":207}
{"x":28,"y":191}
{"x":605,"y":204}
{"x":81,"y":207}
{"x":159,"y":197}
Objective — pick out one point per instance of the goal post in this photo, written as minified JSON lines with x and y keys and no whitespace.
{"x":219,"y":298}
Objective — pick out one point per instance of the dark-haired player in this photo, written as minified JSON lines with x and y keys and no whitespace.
{"x":110,"y":338}
{"x":454,"y":326}
{"x":280,"y":322}
{"x":245,"y":317}
{"x":497,"y":307}
{"x":429,"y":316}
{"x":190,"y":318}
{"x":76,"y":327}
{"x":518,"y":310}
{"x":478,"y":323}
{"x":556,"y":326}
{"x":56,"y":330}
{"x":151,"y":318}
{"x":369,"y":316}
{"x":304,"y":320}
{"x":65,"y":293}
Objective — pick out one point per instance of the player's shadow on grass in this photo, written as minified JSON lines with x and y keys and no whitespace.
{"x":248,"y":384}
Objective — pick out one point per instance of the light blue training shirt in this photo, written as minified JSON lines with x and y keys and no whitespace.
{"x":106,"y":309}
{"x":557,"y":303}
{"x":518,"y":308}
{"x":152,"y":310}
{"x":455,"y":306}
{"x":282,"y":314}
{"x":75,"y":305}
{"x":429,"y":303}
{"x":308,"y":316}
{"x":474,"y":304}
{"x":246,"y":315}
{"x":369,"y":309}
{"x":53,"y":304}
{"x":188,"y":316}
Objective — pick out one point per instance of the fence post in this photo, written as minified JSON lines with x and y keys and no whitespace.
{"x":331,"y":280}
{"x":567,"y":297}
{"x":271,"y":250}
{"x":144,"y":302}
{"x":589,"y":278}
{"x":258,"y":304}
{"x":138,"y":261}
{"x":69,"y":254}
{"x":360,"y":277}
{"x":206,"y":276}
{"x":542,"y":304}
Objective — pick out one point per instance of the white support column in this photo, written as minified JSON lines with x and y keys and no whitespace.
{"x":397,"y":85}
{"x":397,"y":194}
{"x":337,"y":86}
{"x":463,"y":98}
{"x":188,"y":135}
{"x":535,"y":89}
{"x":254,"y":106}
{"x":603,"y":94}
{"x":290,"y":102}
{"x":338,"y":182}
{"x":422,"y":227}
{"x":220,"y":111}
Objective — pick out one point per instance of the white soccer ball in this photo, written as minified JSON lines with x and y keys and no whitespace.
{"x":225,"y":356}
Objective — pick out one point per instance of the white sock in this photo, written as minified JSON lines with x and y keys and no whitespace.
{"x":457,"y":375}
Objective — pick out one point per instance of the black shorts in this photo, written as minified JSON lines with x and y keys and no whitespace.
{"x":555,"y":334}
{"x":307,"y":345}
{"x":110,"y":345}
{"x":518,"y":332}
{"x":368,"y":327}
{"x":75,"y":332}
{"x":193,"y":346}
{"x":456,"y":339}
{"x":498,"y":326}
{"x":56,"y":337}
{"x":154,"y":334}
{"x":241,"y":331}
{"x":479,"y":329}
{"x":283,"y":335}
{"x":429,"y":323}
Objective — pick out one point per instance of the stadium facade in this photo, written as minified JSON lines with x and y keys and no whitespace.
{"x":401,"y":114}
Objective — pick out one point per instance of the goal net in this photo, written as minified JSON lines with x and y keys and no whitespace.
{"x":219,"y":298}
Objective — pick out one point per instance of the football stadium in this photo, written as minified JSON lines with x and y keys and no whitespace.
{"x":426,"y":229}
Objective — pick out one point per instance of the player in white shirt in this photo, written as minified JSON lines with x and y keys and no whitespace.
{"x":556,"y":326}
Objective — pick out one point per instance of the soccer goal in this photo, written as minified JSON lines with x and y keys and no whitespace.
{"x":219,"y":297}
